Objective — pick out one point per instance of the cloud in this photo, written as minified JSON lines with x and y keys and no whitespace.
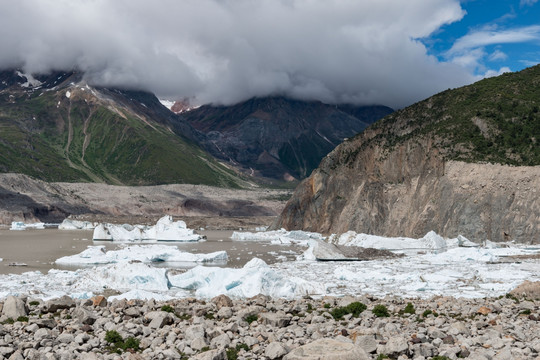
{"x":498,"y":55}
{"x":492,"y":36}
{"x":527,"y":2}
{"x":225,"y":51}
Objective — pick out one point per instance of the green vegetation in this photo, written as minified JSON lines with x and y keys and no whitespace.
{"x":232,"y":353}
{"x":429,"y":312}
{"x":167,"y":308}
{"x":380,"y":311}
{"x":494,"y":120}
{"x":33,"y":303}
{"x":8,"y":321}
{"x":118,"y":344}
{"x":409,"y":309}
{"x":46,"y":136}
{"x":22,"y":318}
{"x":251,"y":318}
{"x":355,"y":308}
{"x":382,"y":356}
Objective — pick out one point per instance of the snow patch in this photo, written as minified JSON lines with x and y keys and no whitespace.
{"x":431,"y":241}
{"x":30,"y":80}
{"x":68,"y":94}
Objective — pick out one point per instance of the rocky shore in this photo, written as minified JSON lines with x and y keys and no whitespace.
{"x":263,"y":328}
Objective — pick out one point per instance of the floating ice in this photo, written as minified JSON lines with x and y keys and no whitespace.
{"x":164,"y":230}
{"x":319,"y":249}
{"x":278,"y":237}
{"x":95,"y":255}
{"x":432,"y":241}
{"x":19,"y":225}
{"x":256,"y":277}
{"x":71,"y":224}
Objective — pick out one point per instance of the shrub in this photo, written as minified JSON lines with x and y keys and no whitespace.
{"x":33,"y":303}
{"x":356,"y":308}
{"x":409,"y":309}
{"x":113,"y":337}
{"x":232,"y":354}
{"x":167,"y":308}
{"x":251,"y":318}
{"x":131,"y":343}
{"x":380,"y":311}
{"x":22,"y":318}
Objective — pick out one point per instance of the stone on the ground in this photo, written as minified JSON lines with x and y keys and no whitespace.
{"x":14,"y":308}
{"x":327,"y":349}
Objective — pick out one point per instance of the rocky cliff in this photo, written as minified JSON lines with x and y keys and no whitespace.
{"x":405,"y":175}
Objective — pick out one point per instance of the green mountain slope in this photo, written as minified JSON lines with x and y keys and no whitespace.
{"x":72,"y":132}
{"x":494,"y":120}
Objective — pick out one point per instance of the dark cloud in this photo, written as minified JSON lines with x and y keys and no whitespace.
{"x":225,"y":51}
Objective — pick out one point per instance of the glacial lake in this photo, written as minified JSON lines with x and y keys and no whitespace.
{"x":39,"y":249}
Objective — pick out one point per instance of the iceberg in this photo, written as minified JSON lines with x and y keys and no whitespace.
{"x":19,"y":225}
{"x":164,"y":230}
{"x":95,"y":255}
{"x":256,"y":277}
{"x":71,"y":224}
{"x":126,"y":276}
{"x":140,"y":295}
{"x":431,"y":241}
{"x":278,"y":237}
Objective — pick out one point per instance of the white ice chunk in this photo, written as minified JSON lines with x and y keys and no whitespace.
{"x":256,"y":277}
{"x":19,"y":225}
{"x":164,"y":230}
{"x":94,"y":255}
{"x":128,"y":276}
{"x":71,"y":224}
{"x":278,"y":237}
{"x":432,"y":241}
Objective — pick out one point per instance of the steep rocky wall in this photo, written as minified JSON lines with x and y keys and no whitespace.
{"x":412,"y":190}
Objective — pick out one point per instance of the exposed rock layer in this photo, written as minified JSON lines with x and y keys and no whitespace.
{"x":411,"y":190}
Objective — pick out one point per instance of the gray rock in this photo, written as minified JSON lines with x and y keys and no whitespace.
{"x":198,"y":343}
{"x":6,"y":350}
{"x":396,"y":346}
{"x":224,"y":313}
{"x":16,"y":356}
{"x":42,"y":333}
{"x":221,"y":341}
{"x":367,"y":342}
{"x":14,"y":307}
{"x":327,"y":349}
{"x":84,"y":316}
{"x":275,"y":350}
{"x":222,"y":301}
{"x":275,"y":319}
{"x":218,"y":354}
{"x":65,"y":338}
{"x":45,"y":323}
{"x":52,"y":306}
{"x":194,"y":332}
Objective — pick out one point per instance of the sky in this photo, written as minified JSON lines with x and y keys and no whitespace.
{"x":389,"y":52}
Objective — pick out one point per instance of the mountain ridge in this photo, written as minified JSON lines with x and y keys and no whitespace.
{"x":407,"y":174}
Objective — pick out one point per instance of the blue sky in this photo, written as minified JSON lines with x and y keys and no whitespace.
{"x":492,"y":37}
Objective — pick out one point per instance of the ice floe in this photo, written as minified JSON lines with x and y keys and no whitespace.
{"x":432,"y":241}
{"x":256,"y":277}
{"x":278,"y":237}
{"x":95,"y":255}
{"x":165,"y":230}
{"x":19,"y":225}
{"x":442,"y":267}
{"x":71,"y":224}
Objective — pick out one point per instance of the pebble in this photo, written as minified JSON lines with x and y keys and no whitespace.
{"x":503,"y":328}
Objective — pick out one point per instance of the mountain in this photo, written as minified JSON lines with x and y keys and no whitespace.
{"x":56,"y":127}
{"x":277,"y":137}
{"x":461,"y":162}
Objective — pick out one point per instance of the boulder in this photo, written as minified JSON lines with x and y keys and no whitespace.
{"x":527,"y":289}
{"x":218,"y":354}
{"x":327,"y":349}
{"x":14,"y":307}
{"x":52,"y":306}
{"x":222,"y":301}
{"x":279,"y":319}
{"x":84,"y":316}
{"x":99,"y":300}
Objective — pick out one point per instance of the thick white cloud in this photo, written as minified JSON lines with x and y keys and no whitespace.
{"x":225,"y":51}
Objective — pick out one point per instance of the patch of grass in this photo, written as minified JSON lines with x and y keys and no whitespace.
{"x":251,"y":318}
{"x":327,"y":306}
{"x":33,"y":303}
{"x":118,"y":344}
{"x":526,"y":312}
{"x":409,"y":309}
{"x":22,"y":318}
{"x":382,"y":356}
{"x":8,"y":321}
{"x":209,"y":316}
{"x":309,"y":308}
{"x":205,"y":349}
{"x":438,"y":357}
{"x":429,"y":312}
{"x":183,"y":316}
{"x":380,"y":311}
{"x":167,"y":308}
{"x":354,"y":308}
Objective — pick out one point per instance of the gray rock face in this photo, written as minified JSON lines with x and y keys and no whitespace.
{"x":275,"y":350}
{"x":327,"y":349}
{"x":372,"y":191}
{"x":14,"y":307}
{"x":52,"y":306}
